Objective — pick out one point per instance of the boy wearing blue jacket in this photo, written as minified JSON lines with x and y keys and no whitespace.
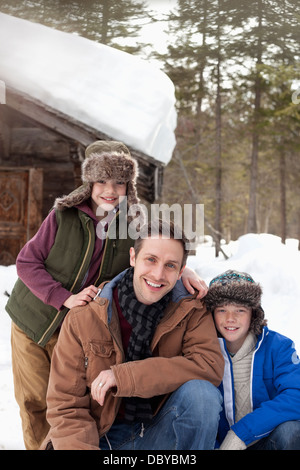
{"x":261,"y":383}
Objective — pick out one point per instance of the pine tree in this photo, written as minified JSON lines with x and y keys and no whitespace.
{"x":218,"y":64}
{"x":109,"y":22}
{"x":270,"y":34}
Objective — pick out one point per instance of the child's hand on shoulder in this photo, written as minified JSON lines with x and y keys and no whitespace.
{"x":82,"y":298}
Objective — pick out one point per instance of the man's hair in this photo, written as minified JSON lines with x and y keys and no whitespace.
{"x":160,"y":227}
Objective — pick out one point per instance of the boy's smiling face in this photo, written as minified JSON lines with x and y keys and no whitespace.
{"x":233,"y":323}
{"x":107,"y":194}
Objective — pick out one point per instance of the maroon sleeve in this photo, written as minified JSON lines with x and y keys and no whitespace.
{"x":31,"y":268}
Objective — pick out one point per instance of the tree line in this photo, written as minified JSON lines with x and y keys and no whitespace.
{"x":236,"y":70}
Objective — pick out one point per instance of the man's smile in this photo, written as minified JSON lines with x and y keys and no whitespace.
{"x":153,"y":285}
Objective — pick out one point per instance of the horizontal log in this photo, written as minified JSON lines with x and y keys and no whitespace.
{"x":35,"y":141}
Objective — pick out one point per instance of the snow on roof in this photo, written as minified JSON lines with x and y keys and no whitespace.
{"x":117,"y":93}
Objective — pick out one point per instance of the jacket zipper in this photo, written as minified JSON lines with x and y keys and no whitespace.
{"x":105,"y":249}
{"x":85,"y":256}
{"x":71,"y":290}
{"x":119,"y":399}
{"x":123,"y":358}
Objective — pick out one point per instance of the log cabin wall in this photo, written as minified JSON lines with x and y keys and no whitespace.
{"x":36,"y":166}
{"x":50,"y":149}
{"x":25,"y":144}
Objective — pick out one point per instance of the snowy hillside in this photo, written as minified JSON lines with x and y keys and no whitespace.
{"x":274,"y":265}
{"x":117,"y":93}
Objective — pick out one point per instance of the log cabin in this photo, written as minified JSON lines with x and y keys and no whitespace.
{"x":41,"y":151}
{"x":42,"y":146}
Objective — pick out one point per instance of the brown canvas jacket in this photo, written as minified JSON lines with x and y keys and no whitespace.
{"x":184,"y":347}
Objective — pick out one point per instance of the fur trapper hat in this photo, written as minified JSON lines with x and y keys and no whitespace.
{"x":108,"y":160}
{"x":104,"y":160}
{"x":234,"y":287}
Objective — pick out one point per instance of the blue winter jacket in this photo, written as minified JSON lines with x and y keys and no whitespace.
{"x":274,"y":389}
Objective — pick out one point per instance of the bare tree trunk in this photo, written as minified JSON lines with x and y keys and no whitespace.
{"x":282,"y":172}
{"x":104,"y":29}
{"x":251,"y":227}
{"x":193,"y":194}
{"x":218,"y":147}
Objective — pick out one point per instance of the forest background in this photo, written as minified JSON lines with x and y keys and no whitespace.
{"x":235,"y":65}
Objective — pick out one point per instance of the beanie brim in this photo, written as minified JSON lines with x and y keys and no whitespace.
{"x":239,"y":292}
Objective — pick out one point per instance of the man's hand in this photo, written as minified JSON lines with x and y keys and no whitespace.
{"x":192,"y":281}
{"x":102,"y":384}
{"x":82,"y":298}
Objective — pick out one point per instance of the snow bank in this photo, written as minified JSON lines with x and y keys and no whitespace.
{"x":10,"y":423}
{"x":274,"y":265}
{"x":117,"y":93}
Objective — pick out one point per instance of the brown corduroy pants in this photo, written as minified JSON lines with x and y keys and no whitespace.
{"x":31,"y":367}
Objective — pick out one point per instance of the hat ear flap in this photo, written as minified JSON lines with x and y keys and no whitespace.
{"x":75,"y":198}
{"x":132,"y":197}
{"x":258,"y":320}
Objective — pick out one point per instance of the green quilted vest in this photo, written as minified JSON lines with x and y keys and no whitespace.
{"x":67,"y":262}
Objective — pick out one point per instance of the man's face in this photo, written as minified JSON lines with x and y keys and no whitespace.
{"x":156,"y":268}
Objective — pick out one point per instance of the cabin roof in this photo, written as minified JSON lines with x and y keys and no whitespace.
{"x":86,"y":90}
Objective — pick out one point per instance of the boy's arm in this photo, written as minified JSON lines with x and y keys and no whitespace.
{"x":31,"y":268}
{"x":284,"y":405}
{"x":192,"y":281}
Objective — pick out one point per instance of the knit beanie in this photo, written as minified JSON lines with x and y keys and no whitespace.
{"x":104,"y":160}
{"x":234,"y":287}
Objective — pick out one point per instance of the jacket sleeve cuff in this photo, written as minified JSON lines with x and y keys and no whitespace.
{"x":232,"y":442}
{"x":124,"y":379}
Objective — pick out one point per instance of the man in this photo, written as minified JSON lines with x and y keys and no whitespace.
{"x":138,"y":367}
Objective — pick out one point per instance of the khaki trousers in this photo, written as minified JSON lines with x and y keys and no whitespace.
{"x":31,"y":367}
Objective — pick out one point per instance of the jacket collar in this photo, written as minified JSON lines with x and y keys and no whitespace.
{"x":259,"y":342}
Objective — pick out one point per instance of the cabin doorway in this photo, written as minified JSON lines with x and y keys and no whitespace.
{"x":21,"y":198}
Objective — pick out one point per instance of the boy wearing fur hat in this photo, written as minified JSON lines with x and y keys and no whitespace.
{"x":61,"y":267}
{"x":261,"y":383}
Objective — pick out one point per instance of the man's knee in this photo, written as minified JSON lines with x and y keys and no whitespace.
{"x":202,"y":396}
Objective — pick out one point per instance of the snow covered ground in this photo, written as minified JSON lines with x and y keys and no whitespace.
{"x":274,"y":265}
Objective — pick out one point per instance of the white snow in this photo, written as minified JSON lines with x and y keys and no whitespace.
{"x":121,"y":95}
{"x":274,"y":265}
